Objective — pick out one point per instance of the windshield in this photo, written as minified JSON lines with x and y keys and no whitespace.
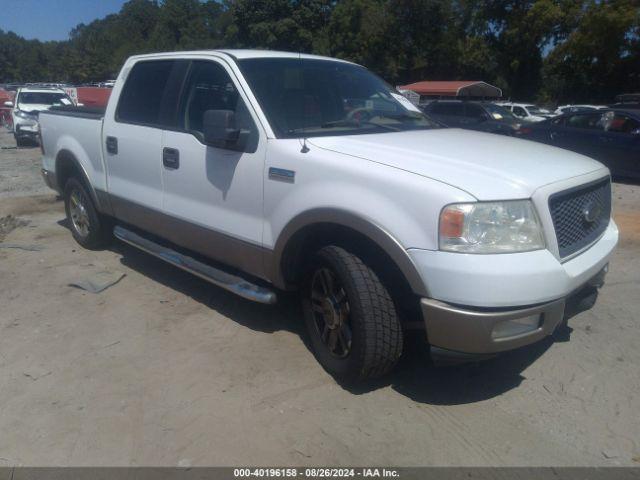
{"x":498,"y":112}
{"x":43,"y":98}
{"x":307,"y":98}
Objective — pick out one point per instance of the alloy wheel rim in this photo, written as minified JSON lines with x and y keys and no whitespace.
{"x":331,"y":312}
{"x":78,"y":213}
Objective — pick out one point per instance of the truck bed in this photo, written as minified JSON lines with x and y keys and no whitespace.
{"x":75,"y":131}
{"x":94,"y":113}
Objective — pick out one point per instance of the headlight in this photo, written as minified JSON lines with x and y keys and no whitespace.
{"x":490,"y":227}
{"x":21,"y":114}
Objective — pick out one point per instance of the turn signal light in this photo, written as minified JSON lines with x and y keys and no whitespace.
{"x":452,"y":223}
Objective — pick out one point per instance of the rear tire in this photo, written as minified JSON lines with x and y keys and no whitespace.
{"x":88,"y":227}
{"x":352,"y":322}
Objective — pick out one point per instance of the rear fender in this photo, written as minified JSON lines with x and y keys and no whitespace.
{"x":66,"y":159}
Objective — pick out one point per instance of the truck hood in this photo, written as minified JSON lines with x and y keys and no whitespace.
{"x":488,"y":166}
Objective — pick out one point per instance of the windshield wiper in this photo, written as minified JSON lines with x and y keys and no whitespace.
{"x":402,"y":116}
{"x":356,"y":123}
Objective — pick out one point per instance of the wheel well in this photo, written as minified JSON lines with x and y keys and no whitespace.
{"x":309,"y":239}
{"x":66,"y":168}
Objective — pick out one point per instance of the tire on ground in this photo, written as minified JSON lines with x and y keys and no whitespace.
{"x":99,"y":226}
{"x":377,"y":336}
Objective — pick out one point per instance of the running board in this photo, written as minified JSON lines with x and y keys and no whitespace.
{"x":222,"y":279}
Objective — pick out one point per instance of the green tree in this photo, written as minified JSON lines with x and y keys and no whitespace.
{"x":277,"y":24}
{"x":182,"y":25}
{"x":568,"y":50}
{"x":362,"y":31}
{"x":600,"y":57}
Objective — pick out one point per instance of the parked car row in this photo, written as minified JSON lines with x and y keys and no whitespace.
{"x":527,"y":112}
{"x":482,"y":116}
{"x":611,"y":136}
{"x":608,"y":134}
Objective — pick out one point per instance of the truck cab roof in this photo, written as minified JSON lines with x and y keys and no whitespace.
{"x":240,"y":54}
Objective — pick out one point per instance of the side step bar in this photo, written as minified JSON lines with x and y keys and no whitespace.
{"x":222,"y":279}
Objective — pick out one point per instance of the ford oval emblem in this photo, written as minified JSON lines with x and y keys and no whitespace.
{"x":591,"y":211}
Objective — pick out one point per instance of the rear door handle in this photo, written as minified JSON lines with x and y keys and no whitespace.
{"x":112,"y":145}
{"x":171,"y":158}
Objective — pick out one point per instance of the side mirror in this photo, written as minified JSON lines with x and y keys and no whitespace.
{"x":220,"y":129}
{"x":9,"y":104}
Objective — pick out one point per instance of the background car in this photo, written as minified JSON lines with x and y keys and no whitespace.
{"x":577,"y":108}
{"x":610,"y":136}
{"x":527,"y":112}
{"x":483,"y":116}
{"x":28,"y":103}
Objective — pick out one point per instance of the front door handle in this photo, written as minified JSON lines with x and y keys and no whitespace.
{"x":112,"y":145}
{"x":171,"y":158}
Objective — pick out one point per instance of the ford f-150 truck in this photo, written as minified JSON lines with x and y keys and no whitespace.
{"x":263,"y":172}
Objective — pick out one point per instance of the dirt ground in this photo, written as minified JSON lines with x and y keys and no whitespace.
{"x":164,"y":369}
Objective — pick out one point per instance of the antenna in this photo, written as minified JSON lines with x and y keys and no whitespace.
{"x":304,"y":148}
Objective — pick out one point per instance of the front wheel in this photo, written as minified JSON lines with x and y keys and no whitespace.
{"x":88,"y":227}
{"x":352,"y":322}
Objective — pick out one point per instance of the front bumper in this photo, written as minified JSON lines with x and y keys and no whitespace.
{"x":510,"y":280}
{"x":26,"y":129}
{"x":465,"y":333}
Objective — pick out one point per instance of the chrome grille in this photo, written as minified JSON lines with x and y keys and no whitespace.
{"x":580,"y":215}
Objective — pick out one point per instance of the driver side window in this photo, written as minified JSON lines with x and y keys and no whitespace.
{"x":209,"y":87}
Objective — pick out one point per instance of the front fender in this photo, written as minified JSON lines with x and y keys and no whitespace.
{"x":394,"y":208}
{"x":365,"y":226}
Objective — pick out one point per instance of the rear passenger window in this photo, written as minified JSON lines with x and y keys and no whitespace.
{"x":141,"y":98}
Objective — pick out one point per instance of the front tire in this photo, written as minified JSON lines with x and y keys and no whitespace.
{"x":352,"y":322}
{"x":88,"y":227}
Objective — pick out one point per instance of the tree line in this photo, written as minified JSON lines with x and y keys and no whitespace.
{"x":545,"y":50}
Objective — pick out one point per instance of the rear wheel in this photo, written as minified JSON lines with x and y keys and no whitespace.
{"x":352,"y":322}
{"x":88,"y":227}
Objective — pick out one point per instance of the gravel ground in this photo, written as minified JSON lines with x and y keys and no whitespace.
{"x":163,"y":369}
{"x":19,"y":169}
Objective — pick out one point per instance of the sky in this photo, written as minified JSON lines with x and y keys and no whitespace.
{"x":52,"y":19}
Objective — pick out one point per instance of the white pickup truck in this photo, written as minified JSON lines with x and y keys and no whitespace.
{"x":267,"y":171}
